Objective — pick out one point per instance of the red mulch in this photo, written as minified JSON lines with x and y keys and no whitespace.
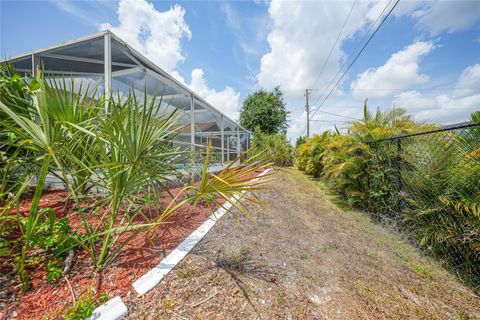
{"x":49,"y":300}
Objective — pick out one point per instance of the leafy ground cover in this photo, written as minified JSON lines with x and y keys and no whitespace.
{"x":305,"y":258}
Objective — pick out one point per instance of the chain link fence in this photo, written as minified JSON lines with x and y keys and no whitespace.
{"x":428,"y":186}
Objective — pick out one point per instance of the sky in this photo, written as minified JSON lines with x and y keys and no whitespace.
{"x":425,"y":58}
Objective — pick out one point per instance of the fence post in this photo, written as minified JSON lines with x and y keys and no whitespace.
{"x":398,"y":164}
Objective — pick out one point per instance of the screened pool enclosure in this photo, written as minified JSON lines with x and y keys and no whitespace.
{"x":105,"y":61}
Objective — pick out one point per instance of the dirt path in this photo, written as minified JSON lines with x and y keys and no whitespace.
{"x":303,"y":258}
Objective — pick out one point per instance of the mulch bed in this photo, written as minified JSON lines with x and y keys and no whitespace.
{"x":50,"y":299}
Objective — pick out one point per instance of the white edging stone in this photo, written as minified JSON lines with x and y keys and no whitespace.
{"x":153,"y":277}
{"x":113,"y":309}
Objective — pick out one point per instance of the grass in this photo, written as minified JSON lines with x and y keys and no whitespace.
{"x":396,"y":242}
{"x":418,"y":279}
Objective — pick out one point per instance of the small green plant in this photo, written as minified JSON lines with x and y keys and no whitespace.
{"x":54,"y":269}
{"x":185,"y":271}
{"x":84,"y":306}
{"x":52,"y":234}
{"x":55,"y":237}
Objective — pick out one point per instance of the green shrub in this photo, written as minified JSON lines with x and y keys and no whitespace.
{"x":309,"y":154}
{"x":273,"y":148}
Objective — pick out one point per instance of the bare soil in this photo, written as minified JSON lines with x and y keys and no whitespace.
{"x":304,"y":258}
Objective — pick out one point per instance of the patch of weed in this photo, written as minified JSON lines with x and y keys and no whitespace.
{"x":169,"y":304}
{"x":463,"y":316}
{"x":421,"y":270}
{"x":185,"y":271}
{"x":304,"y":256}
{"x":280,"y":301}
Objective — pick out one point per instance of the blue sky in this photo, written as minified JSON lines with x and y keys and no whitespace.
{"x":425,"y":58}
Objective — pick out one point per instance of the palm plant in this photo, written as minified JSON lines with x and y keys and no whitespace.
{"x":133,"y":159}
{"x":124,"y":155}
{"x":444,"y":197}
{"x":364,"y":171}
{"x":75,"y":107}
{"x":15,"y":92}
{"x":136,"y":160}
{"x":384,"y":124}
{"x":309,"y":154}
{"x":345,"y":162}
{"x":37,"y":129}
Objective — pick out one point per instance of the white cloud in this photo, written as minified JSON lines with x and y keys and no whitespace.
{"x":227,"y":101}
{"x":250,"y":31}
{"x":449,"y":16}
{"x":469,"y":82}
{"x":401,"y":71}
{"x":300,"y":42}
{"x":437,"y":16}
{"x":156,"y":34}
{"x":72,"y":9}
{"x":447,"y":107}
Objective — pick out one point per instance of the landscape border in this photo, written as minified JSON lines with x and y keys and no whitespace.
{"x":115,"y":309}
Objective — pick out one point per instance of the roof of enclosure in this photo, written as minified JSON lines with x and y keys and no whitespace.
{"x":85,"y":56}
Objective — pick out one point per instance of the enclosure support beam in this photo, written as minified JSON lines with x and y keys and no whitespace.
{"x":107,"y":67}
{"x":35,"y":63}
{"x":223,"y":147}
{"x":238,"y":141}
{"x":126,"y":72}
{"x":192,"y":123}
{"x":88,"y":60}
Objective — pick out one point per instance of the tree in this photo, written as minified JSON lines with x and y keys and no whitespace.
{"x":265,"y":111}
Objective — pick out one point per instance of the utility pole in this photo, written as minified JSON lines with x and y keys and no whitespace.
{"x":307,"y":108}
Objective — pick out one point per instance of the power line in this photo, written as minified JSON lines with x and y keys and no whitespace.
{"x":336,"y":40}
{"x":423,"y":90}
{"x":366,"y":43}
{"x":330,"y":121}
{"x":338,"y":115}
{"x":358,"y":55}
{"x":355,"y":50}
